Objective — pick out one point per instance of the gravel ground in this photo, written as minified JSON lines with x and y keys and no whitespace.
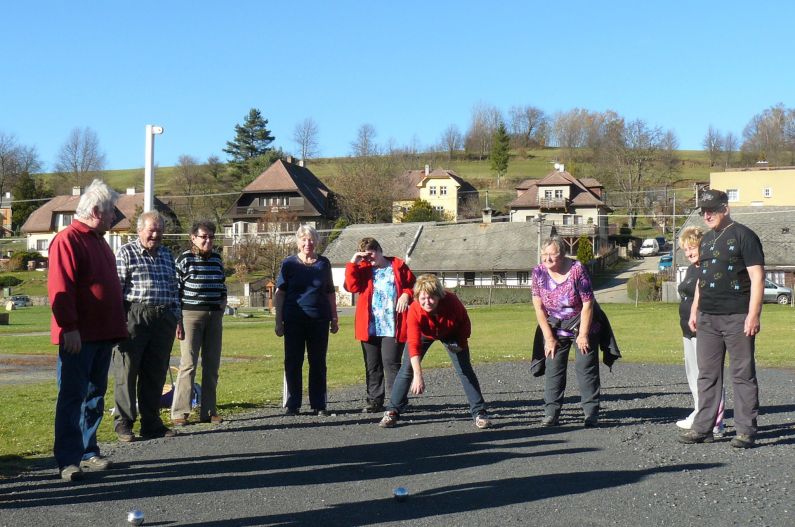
{"x":266,"y":469}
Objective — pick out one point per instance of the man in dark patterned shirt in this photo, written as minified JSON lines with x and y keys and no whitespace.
{"x":149,"y":286}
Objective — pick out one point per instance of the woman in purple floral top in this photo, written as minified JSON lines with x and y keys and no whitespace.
{"x":563,"y":301}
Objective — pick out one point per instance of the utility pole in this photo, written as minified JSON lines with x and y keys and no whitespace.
{"x":149,"y":165}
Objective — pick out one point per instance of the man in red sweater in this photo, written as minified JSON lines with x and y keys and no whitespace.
{"x":435,"y":315}
{"x":87,"y":320}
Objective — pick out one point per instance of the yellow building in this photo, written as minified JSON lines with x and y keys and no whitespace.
{"x":756,"y":187}
{"x":445,"y":190}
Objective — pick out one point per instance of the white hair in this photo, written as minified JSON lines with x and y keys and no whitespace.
{"x":152,"y":215}
{"x":97,"y":195}
{"x":307,"y":230}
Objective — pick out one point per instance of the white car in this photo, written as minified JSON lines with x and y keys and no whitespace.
{"x":650,"y":247}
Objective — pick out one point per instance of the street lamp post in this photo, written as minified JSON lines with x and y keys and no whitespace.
{"x":149,"y":165}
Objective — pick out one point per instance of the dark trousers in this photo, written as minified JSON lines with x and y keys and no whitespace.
{"x":381,"y":363}
{"x":82,"y":382}
{"x":587,"y":370}
{"x":718,"y":334}
{"x":399,"y":399}
{"x":140,"y":365}
{"x":310,"y":335}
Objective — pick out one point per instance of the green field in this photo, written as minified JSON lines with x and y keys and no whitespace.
{"x":253,"y":378}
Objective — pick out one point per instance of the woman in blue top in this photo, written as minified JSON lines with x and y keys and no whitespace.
{"x":306,"y":309}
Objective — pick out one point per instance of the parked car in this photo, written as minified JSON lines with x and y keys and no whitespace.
{"x":21,"y":300}
{"x":650,"y":247}
{"x":777,"y":293}
{"x":662,"y":243}
{"x":666,"y":261}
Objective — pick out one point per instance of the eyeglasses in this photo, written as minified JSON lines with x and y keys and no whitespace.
{"x":206,"y":236}
{"x":704,"y":212}
{"x":550,"y":255}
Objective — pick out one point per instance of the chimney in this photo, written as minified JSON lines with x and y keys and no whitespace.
{"x":77,"y":191}
{"x":302,"y":163}
{"x":487,"y":213}
{"x":427,"y":169}
{"x":290,"y":159}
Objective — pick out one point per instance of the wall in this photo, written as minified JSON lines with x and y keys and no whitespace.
{"x":751,"y":185}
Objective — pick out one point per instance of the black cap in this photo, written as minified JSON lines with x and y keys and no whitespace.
{"x":713,"y":199}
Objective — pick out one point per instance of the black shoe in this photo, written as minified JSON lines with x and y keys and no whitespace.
{"x":550,"y":420}
{"x":322,"y":413}
{"x":591,"y":422}
{"x":157,"y":433}
{"x":692,"y":437}
{"x":291,"y":411}
{"x":742,"y":441}
{"x":124,"y":431}
{"x":373,"y":408}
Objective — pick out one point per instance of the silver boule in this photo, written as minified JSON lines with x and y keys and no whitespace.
{"x":400,"y":493}
{"x":135,"y":517}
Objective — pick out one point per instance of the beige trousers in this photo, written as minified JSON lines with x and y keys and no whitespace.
{"x":203,"y":335}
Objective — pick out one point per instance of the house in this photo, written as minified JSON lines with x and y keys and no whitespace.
{"x":279,"y":200}
{"x":42,"y":225}
{"x":472,"y":254}
{"x":572,"y":207}
{"x":6,"y":215}
{"x":446,"y":191}
{"x":775,"y":227}
{"x":756,"y":187}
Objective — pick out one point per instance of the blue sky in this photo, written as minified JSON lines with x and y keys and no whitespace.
{"x":409,"y":68}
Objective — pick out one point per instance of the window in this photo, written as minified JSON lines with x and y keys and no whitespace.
{"x":559,"y":194}
{"x":548,"y":194}
{"x":432,"y":190}
{"x":767,"y":192}
{"x":438,"y":208}
{"x":733,"y":193}
{"x":523,"y":277}
{"x":498,"y":278}
{"x":577,"y":220}
{"x":42,"y":245}
{"x":469,"y":278}
{"x":442,"y":190}
{"x":64,"y":219}
{"x":566,"y":219}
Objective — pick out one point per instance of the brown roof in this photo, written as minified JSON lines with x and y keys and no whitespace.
{"x":41,"y":220}
{"x":283,"y":176}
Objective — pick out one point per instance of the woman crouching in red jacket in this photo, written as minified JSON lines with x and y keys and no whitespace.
{"x":384,"y":286}
{"x":435,"y":315}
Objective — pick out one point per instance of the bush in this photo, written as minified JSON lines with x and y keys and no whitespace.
{"x":19,"y":260}
{"x":9,"y":281}
{"x":584,"y":250}
{"x":648,"y":286}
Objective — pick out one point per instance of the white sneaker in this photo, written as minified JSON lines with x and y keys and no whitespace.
{"x":717,"y":431}
{"x":685,"y":424}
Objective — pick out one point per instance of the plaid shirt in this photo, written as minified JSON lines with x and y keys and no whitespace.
{"x":146,"y":278}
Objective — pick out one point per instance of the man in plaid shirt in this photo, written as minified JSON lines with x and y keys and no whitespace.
{"x":149,"y":286}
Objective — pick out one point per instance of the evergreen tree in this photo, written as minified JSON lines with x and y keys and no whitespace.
{"x":26,"y":188}
{"x":500,"y":151}
{"x":251,"y":143}
{"x":584,"y":250}
{"x":421,"y":210}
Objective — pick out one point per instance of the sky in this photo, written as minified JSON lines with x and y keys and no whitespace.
{"x":409,"y":68}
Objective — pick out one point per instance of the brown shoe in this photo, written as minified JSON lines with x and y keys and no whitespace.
{"x":164,"y":431}
{"x":124,"y":431}
{"x":180,"y":421}
{"x":213,"y":419}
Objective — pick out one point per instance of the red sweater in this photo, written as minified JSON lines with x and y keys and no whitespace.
{"x":359,"y":279}
{"x":83,"y":286}
{"x":450,"y":322}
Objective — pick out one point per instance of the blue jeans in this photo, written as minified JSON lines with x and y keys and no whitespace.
{"x":82,"y":381}
{"x":463,"y":367}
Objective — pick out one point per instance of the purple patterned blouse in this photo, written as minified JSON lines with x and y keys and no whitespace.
{"x":563,"y":300}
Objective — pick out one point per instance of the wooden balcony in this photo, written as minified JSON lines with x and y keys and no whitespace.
{"x":553,"y":203}
{"x":577,"y":230}
{"x":259,"y":211}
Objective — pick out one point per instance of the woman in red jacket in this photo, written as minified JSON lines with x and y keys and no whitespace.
{"x":435,"y":315}
{"x":384,"y":286}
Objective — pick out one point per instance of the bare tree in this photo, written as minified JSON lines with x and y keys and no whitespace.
{"x":713,"y":145}
{"x":451,"y":141}
{"x":635,"y":167}
{"x":365,"y":189}
{"x":485,"y":120}
{"x":365,"y":145}
{"x":80,"y":156}
{"x":730,"y":145}
{"x":305,"y":136}
{"x":526,"y":125}
{"x":15,"y":160}
{"x":765,"y":136}
{"x":190,"y":177}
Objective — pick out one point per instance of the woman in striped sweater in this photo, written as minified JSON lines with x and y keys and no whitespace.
{"x":202,"y":293}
